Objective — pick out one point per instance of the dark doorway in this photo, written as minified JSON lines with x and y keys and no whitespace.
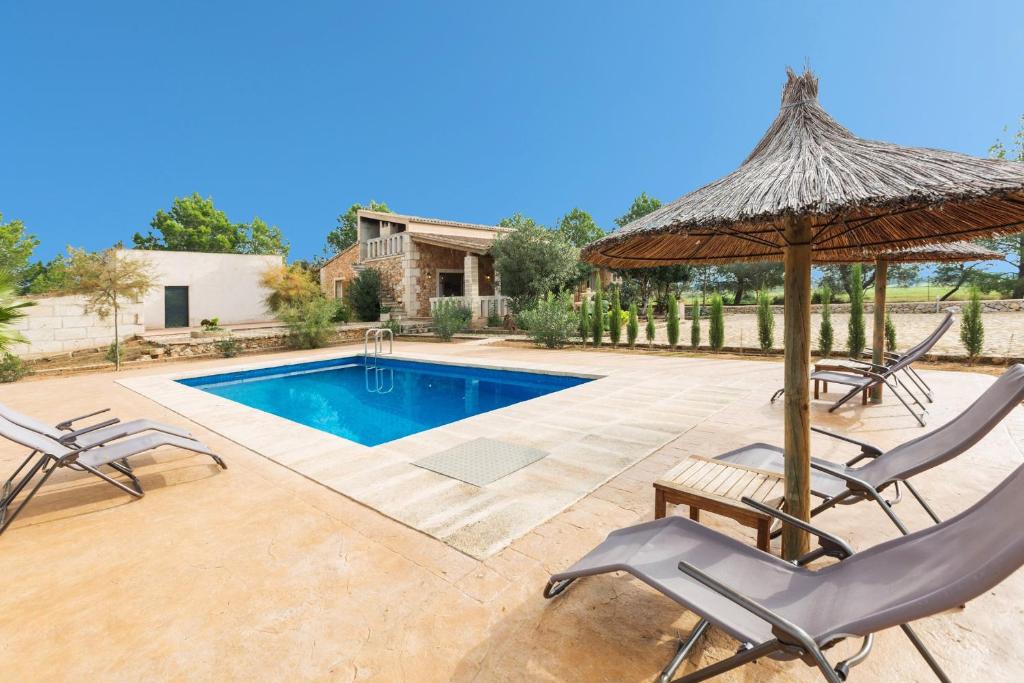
{"x":450,"y":284}
{"x":175,"y":306}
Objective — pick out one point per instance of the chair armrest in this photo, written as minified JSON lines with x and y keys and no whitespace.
{"x":791,"y":633}
{"x":866,"y":449}
{"x":66,"y":424}
{"x":833,"y":545}
{"x":855,"y":483}
{"x":71,"y":436}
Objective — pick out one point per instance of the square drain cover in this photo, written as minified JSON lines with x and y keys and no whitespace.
{"x":481,"y":461}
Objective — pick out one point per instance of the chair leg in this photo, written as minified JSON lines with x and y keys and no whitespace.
{"x":130,"y":473}
{"x":684,"y":649}
{"x":738,"y":660}
{"x":555,"y":588}
{"x":113,"y":482}
{"x":919,"y":383}
{"x":887,"y":509}
{"x":11,"y":491}
{"x":46,"y":475}
{"x":925,"y":654}
{"x":910,"y":409}
{"x":8,"y":484}
{"x":920,"y":499}
{"x":846,"y":397}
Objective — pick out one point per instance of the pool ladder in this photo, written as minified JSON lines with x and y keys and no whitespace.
{"x":379,"y":380}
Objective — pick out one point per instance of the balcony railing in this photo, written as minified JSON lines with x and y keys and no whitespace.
{"x":479,"y":305}
{"x":382,"y":247}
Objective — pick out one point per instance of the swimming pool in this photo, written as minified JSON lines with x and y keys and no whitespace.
{"x":372,"y":406}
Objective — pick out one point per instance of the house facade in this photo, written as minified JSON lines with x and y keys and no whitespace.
{"x":421,"y":260}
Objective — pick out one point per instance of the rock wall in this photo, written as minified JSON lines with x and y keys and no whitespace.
{"x":338,"y":272}
{"x":431,"y":259}
{"x":58,"y":324}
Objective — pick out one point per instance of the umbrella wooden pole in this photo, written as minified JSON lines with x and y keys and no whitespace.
{"x":878,"y":334}
{"x":797,"y":395}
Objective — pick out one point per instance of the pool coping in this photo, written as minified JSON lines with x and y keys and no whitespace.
{"x":591,"y":431}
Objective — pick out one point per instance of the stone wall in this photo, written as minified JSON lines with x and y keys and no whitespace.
{"x":58,"y":324}
{"x":430,"y":260}
{"x":340,"y":269}
{"x":992,"y":306}
{"x":391,"y":277}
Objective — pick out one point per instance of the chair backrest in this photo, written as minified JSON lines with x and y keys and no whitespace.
{"x":925,"y":345}
{"x":952,"y":438}
{"x":29,"y":422}
{"x":32,"y":439}
{"x":929,"y":571}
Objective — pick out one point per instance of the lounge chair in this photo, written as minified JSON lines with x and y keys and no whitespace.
{"x":785,"y":611}
{"x":91,"y":435}
{"x":862,"y":376}
{"x":53,"y":454}
{"x":845,"y":484}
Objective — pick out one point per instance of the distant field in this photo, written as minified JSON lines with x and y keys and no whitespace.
{"x":893,"y":294}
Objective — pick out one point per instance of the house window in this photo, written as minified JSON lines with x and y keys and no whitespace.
{"x":337,"y":289}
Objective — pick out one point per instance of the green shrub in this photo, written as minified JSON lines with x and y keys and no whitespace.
{"x":342,"y":312}
{"x":394,"y":325}
{"x":765,"y":322}
{"x":493,"y":319}
{"x":450,"y":316}
{"x":672,"y":321}
{"x":210,"y":325}
{"x":309,"y":322}
{"x":716,"y":327}
{"x":115,"y":353}
{"x":364,"y":295}
{"x":615,"y":316}
{"x":695,"y":325}
{"x":597,"y":320}
{"x":584,"y":319}
{"x":229,"y":348}
{"x":12,"y":368}
{"x":825,"y":334}
{"x":551,"y":321}
{"x":632,"y":326}
{"x":972,"y":329}
{"x":890,"y":334}
{"x":855,"y":339}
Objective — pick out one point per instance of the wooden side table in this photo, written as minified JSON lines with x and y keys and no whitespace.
{"x":716,"y":486}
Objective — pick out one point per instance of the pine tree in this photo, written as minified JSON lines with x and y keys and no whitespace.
{"x":716,"y":328}
{"x":632,"y":325}
{"x":672,"y":322}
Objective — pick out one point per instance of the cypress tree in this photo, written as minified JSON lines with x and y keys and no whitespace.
{"x":972,"y":329}
{"x":585,"y":319}
{"x":825,"y":335}
{"x":651,"y":330}
{"x":597,"y":320}
{"x":716,"y":329}
{"x":856,"y":338}
{"x":695,"y":324}
{"x":615,"y":319}
{"x":765,"y":322}
{"x":672,"y":323}
{"x":890,"y":333}
{"x":632,"y":325}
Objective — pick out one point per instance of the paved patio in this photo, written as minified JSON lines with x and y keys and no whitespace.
{"x":259,"y":573}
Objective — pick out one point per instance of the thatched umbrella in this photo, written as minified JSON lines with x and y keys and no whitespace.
{"x":927,"y":253}
{"x":811,"y":185}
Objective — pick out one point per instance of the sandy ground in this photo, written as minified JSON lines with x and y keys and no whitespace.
{"x":257,"y":573}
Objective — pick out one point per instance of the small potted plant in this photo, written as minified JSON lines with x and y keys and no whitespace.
{"x":385,"y":313}
{"x":210,"y":328}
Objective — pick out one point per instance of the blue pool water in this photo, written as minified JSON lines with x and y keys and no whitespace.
{"x":372,"y":407}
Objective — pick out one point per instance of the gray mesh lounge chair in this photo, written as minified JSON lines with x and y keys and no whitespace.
{"x":786,"y":611}
{"x":91,"y":435}
{"x":53,"y":454}
{"x":862,"y":376}
{"x":845,"y":484}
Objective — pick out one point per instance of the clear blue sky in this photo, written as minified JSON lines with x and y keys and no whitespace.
{"x":461,"y":110}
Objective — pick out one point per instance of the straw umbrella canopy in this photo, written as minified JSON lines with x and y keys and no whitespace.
{"x":810,"y":185}
{"x":927,"y":253}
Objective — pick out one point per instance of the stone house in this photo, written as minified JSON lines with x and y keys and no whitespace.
{"x":420,"y":261}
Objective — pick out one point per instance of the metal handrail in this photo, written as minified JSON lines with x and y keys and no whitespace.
{"x":378,"y":344}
